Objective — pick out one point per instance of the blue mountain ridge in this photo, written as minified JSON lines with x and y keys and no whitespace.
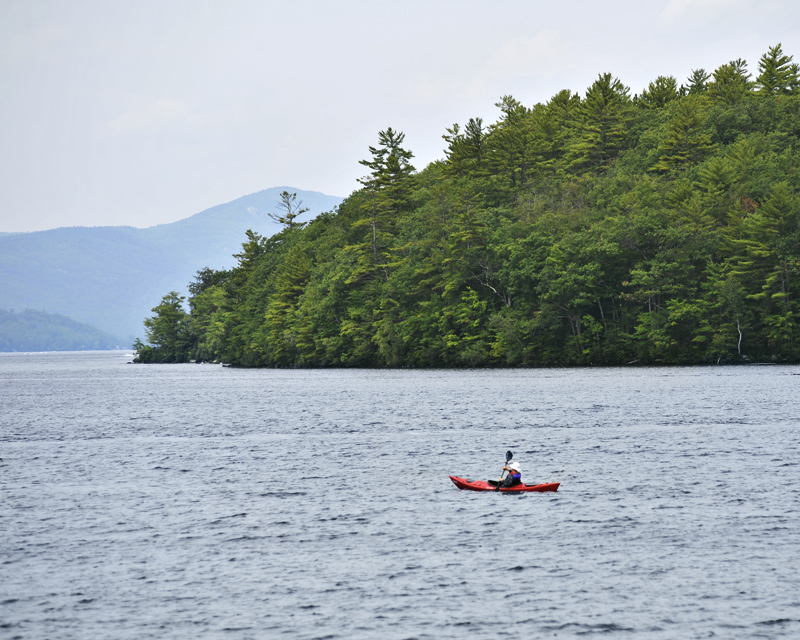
{"x":111,"y":277}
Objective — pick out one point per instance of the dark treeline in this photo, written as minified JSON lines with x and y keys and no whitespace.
{"x":660,"y":227}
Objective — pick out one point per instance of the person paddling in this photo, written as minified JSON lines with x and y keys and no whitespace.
{"x":514,"y":476}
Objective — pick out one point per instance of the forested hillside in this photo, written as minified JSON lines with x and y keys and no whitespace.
{"x":32,"y":330}
{"x":603,"y":229}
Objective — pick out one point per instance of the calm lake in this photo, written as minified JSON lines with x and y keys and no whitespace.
{"x":196,"y":501}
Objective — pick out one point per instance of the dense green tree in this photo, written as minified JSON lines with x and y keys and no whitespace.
{"x":685,"y":140}
{"x":601,"y":123}
{"x":508,"y":143}
{"x":697,"y":82}
{"x":731,"y":82}
{"x":768,"y":260}
{"x":549,"y":132}
{"x":282,"y":340}
{"x":717,"y":182}
{"x":659,"y":93}
{"x":204,"y":279}
{"x":252,"y":251}
{"x":778,"y":75}
{"x":386,"y":191}
{"x":167,"y":332}
{"x":466,"y":148}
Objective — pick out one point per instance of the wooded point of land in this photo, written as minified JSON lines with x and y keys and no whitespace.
{"x":612,"y":228}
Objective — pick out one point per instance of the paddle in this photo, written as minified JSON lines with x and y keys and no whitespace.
{"x":509,"y":455}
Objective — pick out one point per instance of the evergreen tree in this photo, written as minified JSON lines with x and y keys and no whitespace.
{"x":390,"y":168}
{"x":455,"y":148}
{"x":474,"y":137}
{"x":206,"y":278}
{"x":659,"y":93}
{"x":290,"y":282}
{"x":549,"y":131}
{"x":562,"y":106}
{"x":777,"y":73}
{"x":767,"y":230}
{"x":385,"y":193}
{"x":167,"y":332}
{"x":601,"y":124}
{"x":697,"y":83}
{"x":252,"y":251}
{"x":685,"y":140}
{"x":717,"y":179}
{"x":466,"y":148}
{"x":508,"y":142}
{"x":290,"y":211}
{"x":731,"y":82}
{"x":768,"y":260}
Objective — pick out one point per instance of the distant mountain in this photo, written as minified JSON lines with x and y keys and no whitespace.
{"x":32,"y":330}
{"x":110,"y":277}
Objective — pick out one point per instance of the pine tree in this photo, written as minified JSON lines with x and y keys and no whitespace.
{"x":385,"y":193}
{"x":778,"y":74}
{"x":601,"y":123}
{"x":507,"y":142}
{"x":290,"y":281}
{"x":698,"y":82}
{"x":562,"y":105}
{"x":768,"y":259}
{"x":731,"y":82}
{"x":390,"y":167}
{"x":454,"y":152}
{"x":659,"y":93}
{"x":474,"y":138}
{"x":252,"y":251}
{"x":466,"y":148}
{"x":717,"y":180}
{"x":167,"y":332}
{"x":291,"y":210}
{"x":686,"y":140}
{"x":549,"y":129}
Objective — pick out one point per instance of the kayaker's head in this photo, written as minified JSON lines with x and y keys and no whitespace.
{"x":515,"y":467}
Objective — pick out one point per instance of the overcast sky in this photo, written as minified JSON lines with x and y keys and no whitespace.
{"x":146,"y":112}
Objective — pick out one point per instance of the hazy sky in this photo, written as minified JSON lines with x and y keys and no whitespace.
{"x":149,"y":111}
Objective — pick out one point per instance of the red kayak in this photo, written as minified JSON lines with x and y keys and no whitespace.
{"x":483,"y":485}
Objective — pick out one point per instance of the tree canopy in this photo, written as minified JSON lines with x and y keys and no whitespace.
{"x":594,"y":229}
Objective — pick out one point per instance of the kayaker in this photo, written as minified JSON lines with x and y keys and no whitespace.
{"x":514,"y":476}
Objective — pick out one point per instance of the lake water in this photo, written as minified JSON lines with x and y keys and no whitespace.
{"x":196,"y":501}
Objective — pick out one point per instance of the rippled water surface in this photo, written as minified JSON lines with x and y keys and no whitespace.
{"x":183,"y":501}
